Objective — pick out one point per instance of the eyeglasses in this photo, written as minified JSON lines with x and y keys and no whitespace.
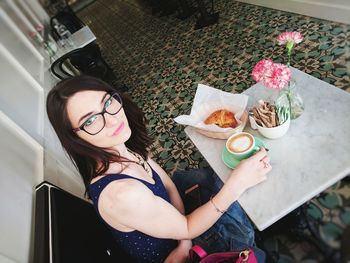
{"x":95,"y":123}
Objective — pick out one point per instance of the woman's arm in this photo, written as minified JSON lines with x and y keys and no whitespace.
{"x":180,"y":253}
{"x":174,"y":195}
{"x":131,"y":204}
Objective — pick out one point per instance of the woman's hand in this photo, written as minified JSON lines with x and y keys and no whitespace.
{"x":250,"y":171}
{"x":180,"y":253}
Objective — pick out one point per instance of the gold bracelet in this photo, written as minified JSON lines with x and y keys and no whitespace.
{"x":216,"y":208}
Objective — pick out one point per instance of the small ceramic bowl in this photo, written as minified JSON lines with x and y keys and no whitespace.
{"x":271,"y":133}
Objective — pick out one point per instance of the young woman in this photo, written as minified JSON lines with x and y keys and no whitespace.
{"x":105,"y":136}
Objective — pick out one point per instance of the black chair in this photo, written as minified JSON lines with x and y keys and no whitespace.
{"x":87,"y":60}
{"x":68,"y":230}
{"x":205,"y":18}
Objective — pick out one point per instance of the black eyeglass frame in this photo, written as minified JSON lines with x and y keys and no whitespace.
{"x":104,"y":110}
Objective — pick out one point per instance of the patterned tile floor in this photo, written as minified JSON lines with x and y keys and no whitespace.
{"x":162,"y":59}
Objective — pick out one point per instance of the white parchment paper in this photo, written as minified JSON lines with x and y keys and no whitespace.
{"x":206,"y":101}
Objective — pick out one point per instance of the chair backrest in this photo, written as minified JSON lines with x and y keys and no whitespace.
{"x":86,"y":60}
{"x":61,"y":67}
{"x":67,"y":230}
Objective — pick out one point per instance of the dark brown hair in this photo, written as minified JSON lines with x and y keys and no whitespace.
{"x":90,"y":160}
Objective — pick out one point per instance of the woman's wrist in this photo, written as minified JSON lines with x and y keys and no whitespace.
{"x":222,"y":211}
{"x":228,"y":194}
{"x":185,"y":242}
{"x":233,"y":189}
{"x":234,"y":185}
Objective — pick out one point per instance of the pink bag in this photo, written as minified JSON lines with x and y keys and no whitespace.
{"x":199,"y":255}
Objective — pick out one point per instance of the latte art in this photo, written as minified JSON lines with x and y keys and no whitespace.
{"x":240,"y":143}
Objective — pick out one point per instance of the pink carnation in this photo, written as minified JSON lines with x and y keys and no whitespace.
{"x":294,"y":37}
{"x":279,"y":78}
{"x":261,"y":69}
{"x":272,"y":75}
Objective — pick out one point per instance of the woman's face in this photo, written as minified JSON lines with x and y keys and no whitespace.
{"x":82,"y":107}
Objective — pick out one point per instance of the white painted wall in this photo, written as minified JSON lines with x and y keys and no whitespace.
{"x":58,"y":168}
{"x":20,"y":170}
{"x":36,"y":8}
{"x":22,"y":98}
{"x":335,"y":10}
{"x":4,"y":259}
{"x":19,"y":45}
{"x":29,"y":149}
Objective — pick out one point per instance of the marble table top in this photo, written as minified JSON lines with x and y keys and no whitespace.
{"x":82,"y":37}
{"x":78,"y":39}
{"x":313,"y":155}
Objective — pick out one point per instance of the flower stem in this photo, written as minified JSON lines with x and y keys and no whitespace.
{"x":290,"y":106}
{"x":289,"y":47}
{"x":289,"y":57}
{"x":289,"y":100}
{"x":288,"y":63}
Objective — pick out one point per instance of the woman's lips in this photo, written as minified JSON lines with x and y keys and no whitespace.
{"x":119,"y":129}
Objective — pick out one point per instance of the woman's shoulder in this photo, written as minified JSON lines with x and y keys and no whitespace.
{"x":120,"y":184}
{"x":116,"y":201}
{"x":114,"y":169}
{"x":123,"y":195}
{"x":126,"y":189}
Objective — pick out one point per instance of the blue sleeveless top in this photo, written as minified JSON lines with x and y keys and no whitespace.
{"x":141,"y":247}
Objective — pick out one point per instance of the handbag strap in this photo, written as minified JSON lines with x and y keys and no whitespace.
{"x":199,"y":251}
{"x":244,"y":256}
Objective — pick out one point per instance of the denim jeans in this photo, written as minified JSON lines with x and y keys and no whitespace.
{"x":233,"y":231}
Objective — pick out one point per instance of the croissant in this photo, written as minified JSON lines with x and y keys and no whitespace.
{"x":222,"y":118}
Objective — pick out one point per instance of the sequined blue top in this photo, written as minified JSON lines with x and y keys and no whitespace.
{"x":138,"y":245}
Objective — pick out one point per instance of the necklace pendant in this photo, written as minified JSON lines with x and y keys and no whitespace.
{"x":141,"y":162}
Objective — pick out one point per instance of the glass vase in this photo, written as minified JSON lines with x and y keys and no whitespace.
{"x":290,"y":97}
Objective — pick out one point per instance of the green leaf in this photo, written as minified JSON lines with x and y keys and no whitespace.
{"x":326,"y":58}
{"x":328,"y":67}
{"x":337,"y":31}
{"x":168,"y":144}
{"x":331,"y":231}
{"x":163,"y":154}
{"x":314,"y":54}
{"x":340,"y":72}
{"x":324,"y":46}
{"x":345,"y":217}
{"x":314,"y":211}
{"x":338,"y":51}
{"x":330,"y":200}
{"x":313,"y":37}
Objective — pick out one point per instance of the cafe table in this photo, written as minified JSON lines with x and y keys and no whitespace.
{"x":313,"y":155}
{"x":78,"y":39}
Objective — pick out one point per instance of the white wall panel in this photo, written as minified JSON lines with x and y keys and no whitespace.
{"x":21,"y":170}
{"x":27,"y":10}
{"x":21,"y":97}
{"x":58,"y":168}
{"x":4,"y":259}
{"x":21,"y":48}
{"x":38,"y":10}
{"x":62,"y":174}
{"x":13,"y":11}
{"x":24,"y":80}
